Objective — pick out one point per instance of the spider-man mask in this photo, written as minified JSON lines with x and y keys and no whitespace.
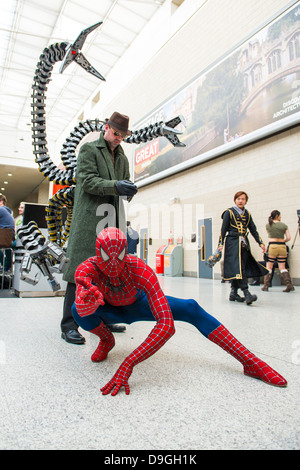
{"x":111,"y":249}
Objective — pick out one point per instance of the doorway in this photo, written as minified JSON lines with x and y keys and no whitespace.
{"x":144,"y":244}
{"x":204,"y":247}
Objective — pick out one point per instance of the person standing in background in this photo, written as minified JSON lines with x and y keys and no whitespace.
{"x":239,"y":263}
{"x":278,"y":234}
{"x":132,"y":240}
{"x":6,"y":221}
{"x":19,"y":218}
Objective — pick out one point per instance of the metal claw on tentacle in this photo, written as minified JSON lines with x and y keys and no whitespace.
{"x":73,"y":53}
{"x":47,"y":256}
{"x":159,"y":129}
{"x":169,"y":132}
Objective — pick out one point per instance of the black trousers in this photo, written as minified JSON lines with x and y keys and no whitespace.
{"x":242,"y":283}
{"x":68,"y":323}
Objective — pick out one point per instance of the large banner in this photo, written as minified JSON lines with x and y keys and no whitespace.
{"x":250,"y":93}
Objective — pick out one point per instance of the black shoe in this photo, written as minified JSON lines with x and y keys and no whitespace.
{"x":235,"y":296}
{"x":116,"y":328}
{"x":249,"y":297}
{"x":73,"y":336}
{"x":255,"y":283}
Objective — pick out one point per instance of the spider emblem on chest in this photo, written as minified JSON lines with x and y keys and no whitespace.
{"x":115,"y":289}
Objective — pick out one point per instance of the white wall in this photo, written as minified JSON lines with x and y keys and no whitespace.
{"x":171,"y":51}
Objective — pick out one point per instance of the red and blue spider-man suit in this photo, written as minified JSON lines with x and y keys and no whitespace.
{"x":114,"y":287}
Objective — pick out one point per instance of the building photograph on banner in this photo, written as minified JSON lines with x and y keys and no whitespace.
{"x":252,"y":92}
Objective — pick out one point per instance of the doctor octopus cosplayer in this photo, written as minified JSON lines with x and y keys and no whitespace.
{"x":114,"y":287}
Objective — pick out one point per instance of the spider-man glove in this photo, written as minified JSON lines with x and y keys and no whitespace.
{"x":156,"y":339}
{"x":119,"y":380}
{"x":88,"y":297}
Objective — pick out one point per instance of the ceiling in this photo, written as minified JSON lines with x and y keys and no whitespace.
{"x":26,"y":28}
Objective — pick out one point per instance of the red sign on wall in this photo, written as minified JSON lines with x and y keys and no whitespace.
{"x":148,"y":152}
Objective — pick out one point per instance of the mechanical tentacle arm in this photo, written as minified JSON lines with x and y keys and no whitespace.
{"x":47,"y":256}
{"x":59,"y":231}
{"x":51,"y":55}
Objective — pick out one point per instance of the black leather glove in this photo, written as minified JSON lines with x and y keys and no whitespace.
{"x":125,"y":188}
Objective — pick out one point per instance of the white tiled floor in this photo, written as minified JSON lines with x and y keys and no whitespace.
{"x":191,"y":395}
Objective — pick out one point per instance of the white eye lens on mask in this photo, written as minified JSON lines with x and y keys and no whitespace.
{"x":104,"y":255}
{"x":122,"y":254}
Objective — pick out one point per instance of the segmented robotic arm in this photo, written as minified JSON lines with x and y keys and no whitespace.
{"x":46,"y":255}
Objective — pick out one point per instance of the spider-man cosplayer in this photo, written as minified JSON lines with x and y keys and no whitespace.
{"x":114,"y":287}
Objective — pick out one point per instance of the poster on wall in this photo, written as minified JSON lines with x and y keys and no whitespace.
{"x":252,"y":92}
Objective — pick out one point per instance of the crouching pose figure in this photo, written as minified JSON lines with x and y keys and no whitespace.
{"x":113,"y":287}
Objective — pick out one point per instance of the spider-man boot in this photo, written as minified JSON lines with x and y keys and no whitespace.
{"x":253,"y":366}
{"x":106,"y":343}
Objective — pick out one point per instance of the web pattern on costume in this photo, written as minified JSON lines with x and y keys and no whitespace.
{"x":115,"y":277}
{"x":100,"y":280}
{"x":253,"y":366}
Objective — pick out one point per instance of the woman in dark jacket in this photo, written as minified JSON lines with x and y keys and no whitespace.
{"x":239,"y":263}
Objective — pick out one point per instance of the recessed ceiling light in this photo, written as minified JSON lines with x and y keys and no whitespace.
{"x":9,"y":174}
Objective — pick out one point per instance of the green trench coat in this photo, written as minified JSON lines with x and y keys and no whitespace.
{"x":94,"y":200}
